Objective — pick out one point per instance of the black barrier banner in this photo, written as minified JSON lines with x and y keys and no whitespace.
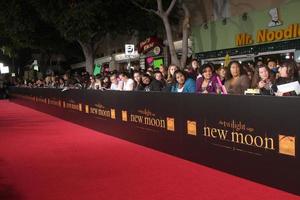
{"x":255,"y":137}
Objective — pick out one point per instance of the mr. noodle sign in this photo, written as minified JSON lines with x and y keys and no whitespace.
{"x":267,"y":35}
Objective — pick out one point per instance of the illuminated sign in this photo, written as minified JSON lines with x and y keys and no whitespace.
{"x":268,"y":35}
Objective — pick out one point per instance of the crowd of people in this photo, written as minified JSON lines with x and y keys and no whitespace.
{"x":208,"y":78}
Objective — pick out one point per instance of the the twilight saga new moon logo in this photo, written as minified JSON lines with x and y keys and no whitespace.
{"x":236,"y":135}
{"x":72,"y":105}
{"x":101,"y":111}
{"x":144,"y":118}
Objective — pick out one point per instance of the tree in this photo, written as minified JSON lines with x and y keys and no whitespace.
{"x":163,"y":9}
{"x":87,"y":22}
{"x":22,"y":29}
{"x":50,"y":22}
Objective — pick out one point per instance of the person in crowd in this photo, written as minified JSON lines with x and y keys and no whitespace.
{"x":164,"y":71}
{"x":40,"y":83}
{"x":137,"y":77}
{"x":85,"y":79}
{"x":97,"y":85}
{"x":298,"y":69}
{"x":157,"y":83}
{"x":183,"y":83}
{"x":146,"y":81}
{"x":171,"y":71}
{"x":193,"y":69}
{"x":251,"y":65}
{"x":263,"y":80}
{"x":287,"y":73}
{"x":77,"y":81}
{"x":116,"y":84}
{"x":53,"y":81}
{"x":150,"y":71}
{"x":105,"y":82}
{"x":259,"y":62}
{"x":61,"y":83}
{"x":171,"y":78}
{"x":92,"y":83}
{"x":272,"y":65}
{"x":206,"y":83}
{"x":158,"y":76}
{"x":128,"y":83}
{"x":248,"y":71}
{"x":150,"y":84}
{"x":67,"y":81}
{"x":221,"y":72}
{"x":47,"y":81}
{"x":237,"y":81}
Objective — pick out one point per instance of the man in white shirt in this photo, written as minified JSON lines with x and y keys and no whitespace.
{"x":128,"y":83}
{"x":115,"y":83}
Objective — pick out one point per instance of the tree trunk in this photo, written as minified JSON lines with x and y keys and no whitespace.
{"x":185,"y":35}
{"x":89,"y":62}
{"x":88,"y":52}
{"x":174,"y":59}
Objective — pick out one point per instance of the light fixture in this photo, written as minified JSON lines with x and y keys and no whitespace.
{"x":4,"y":70}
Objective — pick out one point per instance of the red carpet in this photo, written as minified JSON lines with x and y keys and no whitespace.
{"x":46,"y":158}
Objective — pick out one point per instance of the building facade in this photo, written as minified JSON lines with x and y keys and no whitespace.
{"x":270,"y":29}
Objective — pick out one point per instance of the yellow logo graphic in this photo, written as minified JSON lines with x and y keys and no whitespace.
{"x":80,"y":107}
{"x":191,"y":128}
{"x":170,"y":124}
{"x":113,"y":113}
{"x":124,"y":115}
{"x":287,"y":145}
{"x":87,"y":109}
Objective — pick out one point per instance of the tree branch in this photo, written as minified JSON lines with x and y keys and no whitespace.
{"x":160,"y":7}
{"x":185,"y":34}
{"x":86,"y":48}
{"x":143,"y":8}
{"x":171,"y":7}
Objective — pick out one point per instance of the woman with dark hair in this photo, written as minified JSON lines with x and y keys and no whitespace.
{"x":105,"y":82}
{"x":146,"y":81}
{"x":164,"y":71}
{"x":249,"y":71}
{"x":263,"y":80}
{"x":287,"y":73}
{"x":193,"y":69}
{"x":206,"y":83}
{"x":137,"y":77}
{"x":92,"y":83}
{"x":237,"y":81}
{"x":221,"y":72}
{"x":183,"y":84}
